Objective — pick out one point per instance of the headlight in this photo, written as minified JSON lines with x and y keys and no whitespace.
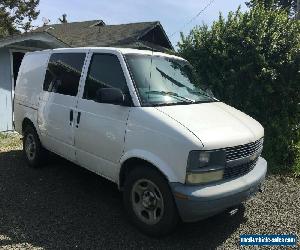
{"x":200,"y":159}
{"x":205,"y":166}
{"x":204,"y":157}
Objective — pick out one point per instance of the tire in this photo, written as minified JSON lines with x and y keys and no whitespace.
{"x":146,"y":191}
{"x":32,"y":149}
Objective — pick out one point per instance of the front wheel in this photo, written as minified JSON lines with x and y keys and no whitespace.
{"x":149,"y":201}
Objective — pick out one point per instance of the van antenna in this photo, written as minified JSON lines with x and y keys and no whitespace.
{"x":150,"y":74}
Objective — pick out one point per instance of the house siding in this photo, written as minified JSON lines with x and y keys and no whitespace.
{"x":5,"y":91}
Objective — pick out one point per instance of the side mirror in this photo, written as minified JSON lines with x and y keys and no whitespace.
{"x":110,"y":95}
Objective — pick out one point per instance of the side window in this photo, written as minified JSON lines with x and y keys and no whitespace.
{"x":63,"y":73}
{"x":105,"y":71}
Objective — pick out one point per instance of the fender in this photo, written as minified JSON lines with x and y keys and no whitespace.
{"x":153,"y":159}
{"x":25,"y":112}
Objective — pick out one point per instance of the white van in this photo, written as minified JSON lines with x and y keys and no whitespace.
{"x":140,"y":119}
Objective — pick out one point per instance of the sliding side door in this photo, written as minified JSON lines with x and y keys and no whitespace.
{"x":58,"y":102}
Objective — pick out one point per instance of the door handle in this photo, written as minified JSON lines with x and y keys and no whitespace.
{"x":78,"y":119}
{"x":71,"y":116}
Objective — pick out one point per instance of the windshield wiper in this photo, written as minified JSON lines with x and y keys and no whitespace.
{"x":171,"y":79}
{"x":173,"y":94}
{"x":202,"y":92}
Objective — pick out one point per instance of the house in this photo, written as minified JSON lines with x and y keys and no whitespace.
{"x":145,"y":35}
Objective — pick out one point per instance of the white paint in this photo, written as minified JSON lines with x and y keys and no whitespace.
{"x":216,"y":124}
{"x":108,"y":135}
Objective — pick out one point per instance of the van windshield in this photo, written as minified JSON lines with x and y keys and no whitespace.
{"x":164,"y":81}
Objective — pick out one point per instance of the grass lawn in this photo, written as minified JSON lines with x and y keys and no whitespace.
{"x":10,"y":141}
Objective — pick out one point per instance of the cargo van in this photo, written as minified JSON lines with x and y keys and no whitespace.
{"x":140,"y":119}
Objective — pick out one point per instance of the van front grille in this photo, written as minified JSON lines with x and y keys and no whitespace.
{"x":240,"y":170}
{"x":242,"y":151}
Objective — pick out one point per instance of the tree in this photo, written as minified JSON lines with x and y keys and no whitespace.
{"x":251,"y":61}
{"x":289,"y":5}
{"x":17,"y":15}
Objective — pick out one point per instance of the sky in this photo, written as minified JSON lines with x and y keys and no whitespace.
{"x":173,"y":14}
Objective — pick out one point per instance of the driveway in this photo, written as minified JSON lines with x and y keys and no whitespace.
{"x":62,"y":206}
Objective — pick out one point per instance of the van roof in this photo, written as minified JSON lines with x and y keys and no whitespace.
{"x":122,"y":50}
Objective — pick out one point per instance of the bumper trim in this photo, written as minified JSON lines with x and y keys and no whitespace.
{"x":207,"y":200}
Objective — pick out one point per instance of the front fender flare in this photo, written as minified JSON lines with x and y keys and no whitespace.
{"x":161,"y":165}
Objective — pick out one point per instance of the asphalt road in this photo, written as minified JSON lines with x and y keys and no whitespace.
{"x":62,"y":206}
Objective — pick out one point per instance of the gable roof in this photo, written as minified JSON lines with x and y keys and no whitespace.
{"x":33,"y":39}
{"x":97,"y":33}
{"x":68,"y":28}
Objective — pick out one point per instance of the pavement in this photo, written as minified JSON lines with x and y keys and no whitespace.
{"x":63,"y":206}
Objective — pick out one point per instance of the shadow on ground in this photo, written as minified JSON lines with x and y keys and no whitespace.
{"x":62,"y":206}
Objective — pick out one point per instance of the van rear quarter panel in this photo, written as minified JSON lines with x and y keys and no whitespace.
{"x":29,"y":86}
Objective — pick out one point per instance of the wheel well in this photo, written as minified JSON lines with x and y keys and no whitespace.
{"x":131,"y":164}
{"x":25,"y":123}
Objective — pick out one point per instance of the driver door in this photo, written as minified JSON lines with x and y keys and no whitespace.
{"x":100,"y":127}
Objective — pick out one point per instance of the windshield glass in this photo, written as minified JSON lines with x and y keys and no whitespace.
{"x":165,"y":81}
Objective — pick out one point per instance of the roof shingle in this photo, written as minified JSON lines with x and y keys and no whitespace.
{"x":96,"y":33}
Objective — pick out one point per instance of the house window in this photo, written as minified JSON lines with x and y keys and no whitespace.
{"x":63,"y":73}
{"x":105,"y":71}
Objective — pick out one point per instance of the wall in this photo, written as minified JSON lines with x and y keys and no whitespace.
{"x":5,"y":91}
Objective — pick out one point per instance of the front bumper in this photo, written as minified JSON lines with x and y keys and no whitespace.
{"x":198,"y":202}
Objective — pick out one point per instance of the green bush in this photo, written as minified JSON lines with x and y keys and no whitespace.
{"x":251,"y":61}
{"x":296,"y":167}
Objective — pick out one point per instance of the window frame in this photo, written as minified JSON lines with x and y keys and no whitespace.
{"x":130,"y":102}
{"x":83,"y":52}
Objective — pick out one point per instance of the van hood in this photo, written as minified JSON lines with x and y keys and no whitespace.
{"x":216,"y":124}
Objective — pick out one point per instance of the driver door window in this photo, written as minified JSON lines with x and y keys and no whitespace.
{"x":104,"y":72}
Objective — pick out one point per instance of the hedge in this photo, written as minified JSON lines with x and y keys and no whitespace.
{"x":251,"y":61}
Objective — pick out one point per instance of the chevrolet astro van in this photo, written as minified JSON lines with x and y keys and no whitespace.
{"x":140,"y":119}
